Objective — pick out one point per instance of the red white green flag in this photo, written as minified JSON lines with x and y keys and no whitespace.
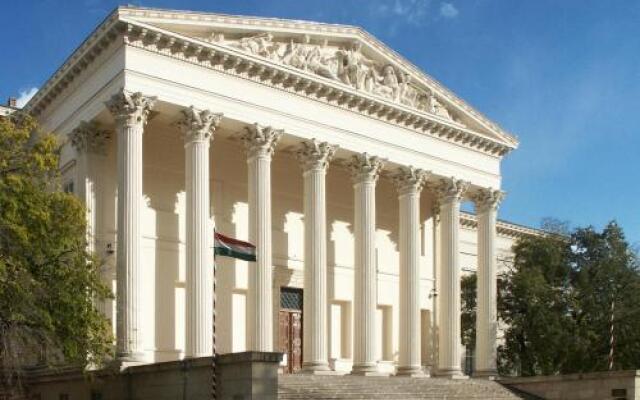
{"x":230,"y":247}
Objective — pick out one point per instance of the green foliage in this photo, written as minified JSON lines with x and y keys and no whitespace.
{"x":468,"y":294}
{"x":556,"y":302}
{"x":48,"y":281}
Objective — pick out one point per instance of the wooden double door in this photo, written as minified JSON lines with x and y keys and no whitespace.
{"x":290,"y":329}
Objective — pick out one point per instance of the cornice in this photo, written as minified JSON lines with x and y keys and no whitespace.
{"x":247,"y":66}
{"x":505,"y":229}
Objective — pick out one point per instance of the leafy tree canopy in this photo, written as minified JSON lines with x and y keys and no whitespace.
{"x":558,"y":299}
{"x":48,"y":281}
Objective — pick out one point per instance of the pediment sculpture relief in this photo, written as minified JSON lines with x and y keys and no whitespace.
{"x":346,"y":64}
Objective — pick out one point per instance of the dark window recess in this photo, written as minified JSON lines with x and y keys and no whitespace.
{"x":618,"y":392}
{"x":68,"y":188}
{"x":291,"y":298}
{"x":95,"y":395}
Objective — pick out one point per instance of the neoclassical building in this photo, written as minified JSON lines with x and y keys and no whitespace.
{"x":342,"y":162}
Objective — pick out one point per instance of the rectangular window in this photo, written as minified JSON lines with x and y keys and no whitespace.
{"x":340,"y":327}
{"x":426,"y":339}
{"x":239,"y":334}
{"x":291,"y":298}
{"x":385,"y":333}
{"x":68,"y":187}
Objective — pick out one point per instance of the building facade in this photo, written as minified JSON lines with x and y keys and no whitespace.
{"x":343,"y":163}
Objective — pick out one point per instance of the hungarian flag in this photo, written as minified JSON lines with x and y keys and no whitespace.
{"x":230,"y":247}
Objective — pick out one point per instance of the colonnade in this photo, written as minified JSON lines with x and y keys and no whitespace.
{"x":131,"y":111}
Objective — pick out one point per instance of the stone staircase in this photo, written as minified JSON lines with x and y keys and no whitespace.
{"x":312,"y":387}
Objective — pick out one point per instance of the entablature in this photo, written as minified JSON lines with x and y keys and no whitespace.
{"x":235,"y":60}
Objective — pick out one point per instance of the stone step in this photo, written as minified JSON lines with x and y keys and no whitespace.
{"x":313,"y":387}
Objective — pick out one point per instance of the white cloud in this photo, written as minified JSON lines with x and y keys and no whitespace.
{"x":412,"y":11}
{"x":25,"y":96}
{"x":448,"y":10}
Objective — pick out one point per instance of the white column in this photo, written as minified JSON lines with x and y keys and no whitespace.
{"x":198,"y":127}
{"x":130,"y":111}
{"x":487,"y":202}
{"x":260,"y":143}
{"x":315,"y":158}
{"x":437,"y":273}
{"x":365,"y":170}
{"x":409,"y":182}
{"x":90,"y":141}
{"x":449,"y":352}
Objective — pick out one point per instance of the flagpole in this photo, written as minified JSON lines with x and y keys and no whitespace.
{"x":227,"y":247}
{"x":214,"y":380}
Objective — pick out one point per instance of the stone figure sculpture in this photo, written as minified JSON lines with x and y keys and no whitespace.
{"x":347,"y":64}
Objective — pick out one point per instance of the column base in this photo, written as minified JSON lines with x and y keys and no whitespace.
{"x":367,"y":370}
{"x":452,"y":373}
{"x":317,"y":368}
{"x":123,"y":361}
{"x":411,"y":372}
{"x":328,"y":372}
{"x":490,"y":374}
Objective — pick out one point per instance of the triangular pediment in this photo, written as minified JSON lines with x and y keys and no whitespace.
{"x":344,"y":55}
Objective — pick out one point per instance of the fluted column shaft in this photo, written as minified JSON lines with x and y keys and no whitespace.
{"x":409,"y":182}
{"x":90,"y":141}
{"x":260,"y":143}
{"x":314,"y":158}
{"x":487,"y":315}
{"x":365,"y":170}
{"x":198,"y":127}
{"x":130,"y":111}
{"x":449,"y":353}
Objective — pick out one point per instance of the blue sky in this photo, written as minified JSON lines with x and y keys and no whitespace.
{"x":564,"y":76}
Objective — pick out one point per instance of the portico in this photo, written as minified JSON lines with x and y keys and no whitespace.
{"x":316,"y":143}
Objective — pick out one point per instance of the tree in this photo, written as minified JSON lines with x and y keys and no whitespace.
{"x":469,"y":301}
{"x":606,"y":282}
{"x":556,"y":303}
{"x":48,"y":281}
{"x":534,"y":305}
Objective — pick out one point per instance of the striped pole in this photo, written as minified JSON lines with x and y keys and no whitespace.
{"x":214,"y":380}
{"x":611,"y":337}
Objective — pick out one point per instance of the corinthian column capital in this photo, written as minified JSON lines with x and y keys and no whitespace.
{"x":452,"y":189}
{"x":130,"y":108}
{"x":409,"y":179}
{"x":90,"y":138}
{"x":365,"y":168}
{"x":198,"y":125}
{"x":261,"y":140}
{"x":314,"y":155}
{"x":488,"y":199}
